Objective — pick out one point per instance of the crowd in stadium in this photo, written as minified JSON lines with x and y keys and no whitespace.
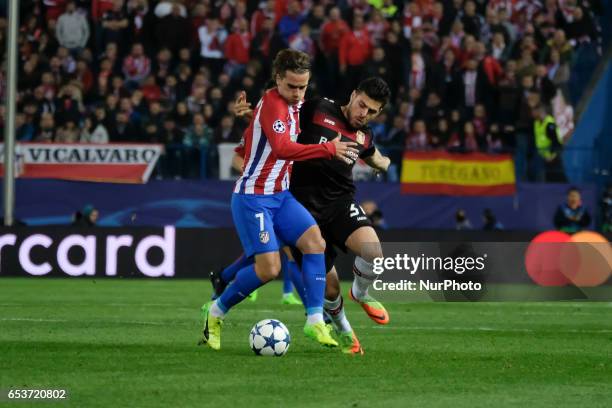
{"x":466,"y":76}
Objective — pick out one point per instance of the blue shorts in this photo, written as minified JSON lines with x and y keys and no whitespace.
{"x":265,"y":222}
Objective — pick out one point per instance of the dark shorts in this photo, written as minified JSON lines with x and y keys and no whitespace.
{"x":341,"y":220}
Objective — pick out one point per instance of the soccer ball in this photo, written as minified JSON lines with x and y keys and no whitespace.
{"x":269,"y":338}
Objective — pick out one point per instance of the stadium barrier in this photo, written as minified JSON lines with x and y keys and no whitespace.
{"x":170,"y":252}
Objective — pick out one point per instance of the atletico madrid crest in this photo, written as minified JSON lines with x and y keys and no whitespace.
{"x":264,"y":237}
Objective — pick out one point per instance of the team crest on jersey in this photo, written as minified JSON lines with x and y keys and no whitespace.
{"x":264,"y":237}
{"x":360,"y":137}
{"x":278,"y":126}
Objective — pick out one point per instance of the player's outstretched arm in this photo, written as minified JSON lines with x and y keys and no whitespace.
{"x":377,"y":161}
{"x":277,"y":130}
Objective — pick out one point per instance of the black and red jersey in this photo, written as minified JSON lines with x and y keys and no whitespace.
{"x":318,"y":183}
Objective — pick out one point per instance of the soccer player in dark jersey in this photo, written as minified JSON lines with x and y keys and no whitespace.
{"x":327,"y":191}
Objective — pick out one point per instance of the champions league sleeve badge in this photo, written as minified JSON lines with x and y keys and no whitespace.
{"x":278,"y":126}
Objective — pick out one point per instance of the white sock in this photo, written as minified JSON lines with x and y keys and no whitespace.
{"x":314,"y":318}
{"x":215,"y":310}
{"x":335,"y":310}
{"x":364,"y":276}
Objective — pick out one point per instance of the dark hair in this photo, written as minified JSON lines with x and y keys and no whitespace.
{"x":572,"y":189}
{"x":375,"y":88}
{"x":290,"y":60}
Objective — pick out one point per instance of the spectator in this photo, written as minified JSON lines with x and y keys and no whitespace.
{"x":226,"y":132}
{"x":571,"y":216}
{"x":46,"y":129}
{"x":212,"y":39}
{"x":548,"y":146}
{"x":237,"y":47}
{"x":332,"y":31}
{"x":412,"y":19}
{"x":442,"y":134}
{"x":564,"y":117}
{"x":143,"y":23}
{"x":472,"y":22}
{"x":461,"y":221}
{"x":580,"y":29}
{"x":499,"y":50}
{"x":558,"y":71}
{"x":490,"y":222}
{"x":25,"y":127}
{"x":560,"y":44}
{"x":377,"y":26}
{"x":114,"y":25}
{"x":171,"y":134}
{"x":433,"y":110}
{"x":544,"y":85}
{"x":84,"y":76}
{"x":182,"y":116}
{"x":379,"y":126}
{"x":136,"y":66}
{"x":470,"y":142}
{"x":67,"y":133}
{"x":72,"y":29}
{"x":197,"y":99}
{"x":87,"y":217}
{"x":163,"y":64}
{"x":173,"y":30}
{"x":155,"y":114}
{"x":289,"y":24}
{"x":378,"y":65}
{"x":93,"y":130}
{"x":266,"y":11}
{"x":355,"y":49}
{"x":419,"y":139}
{"x":198,"y":134}
{"x":124,"y":130}
{"x":473,"y":85}
{"x":109,"y":60}
{"x":302,"y":41}
{"x":152,"y":133}
{"x":171,"y":161}
{"x":494,"y":142}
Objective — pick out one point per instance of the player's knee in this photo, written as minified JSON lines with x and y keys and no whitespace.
{"x":312,"y":243}
{"x":268,"y":269}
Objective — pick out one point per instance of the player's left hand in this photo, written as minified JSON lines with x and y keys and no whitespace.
{"x":346,"y":151}
{"x":241,"y":107}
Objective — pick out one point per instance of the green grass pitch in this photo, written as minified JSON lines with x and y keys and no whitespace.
{"x":132,"y":343}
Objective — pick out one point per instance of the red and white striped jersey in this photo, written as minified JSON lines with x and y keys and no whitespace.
{"x":270,"y":147}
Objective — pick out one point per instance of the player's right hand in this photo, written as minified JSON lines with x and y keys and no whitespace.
{"x":345,"y":151}
{"x":241,"y":107}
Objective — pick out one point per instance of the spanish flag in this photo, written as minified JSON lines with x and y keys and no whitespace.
{"x":458,"y":174}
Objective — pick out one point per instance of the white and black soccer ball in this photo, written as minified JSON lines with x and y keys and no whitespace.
{"x":269,"y":337}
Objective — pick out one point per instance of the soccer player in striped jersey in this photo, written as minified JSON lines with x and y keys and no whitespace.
{"x":262,"y":206}
{"x":331,"y":198}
